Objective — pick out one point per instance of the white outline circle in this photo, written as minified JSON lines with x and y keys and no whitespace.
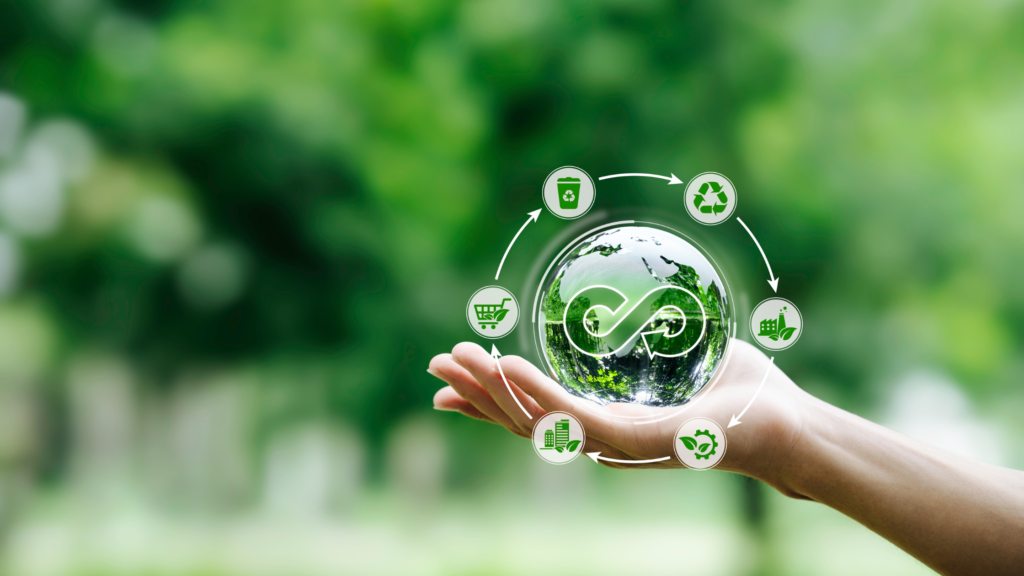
{"x":593,"y":186}
{"x":751,"y":324}
{"x":724,"y":444}
{"x":735,"y":192}
{"x":519,"y":312}
{"x":636,"y":420}
{"x":533,"y":438}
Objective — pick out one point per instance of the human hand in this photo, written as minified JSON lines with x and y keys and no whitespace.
{"x":757,"y":447}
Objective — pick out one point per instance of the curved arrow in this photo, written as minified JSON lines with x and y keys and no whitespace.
{"x":533,"y":218}
{"x":624,"y":319}
{"x":671,"y":179}
{"x":595,"y":456}
{"x":495,"y":354}
{"x":736,"y":419}
{"x":774,"y":281}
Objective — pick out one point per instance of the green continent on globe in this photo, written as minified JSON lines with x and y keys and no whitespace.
{"x":640,"y":341}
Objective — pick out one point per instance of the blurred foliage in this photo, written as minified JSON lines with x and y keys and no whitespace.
{"x":361,"y":153}
{"x":308,"y":191}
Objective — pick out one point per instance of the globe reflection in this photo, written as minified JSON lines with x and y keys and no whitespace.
{"x":634,"y":314}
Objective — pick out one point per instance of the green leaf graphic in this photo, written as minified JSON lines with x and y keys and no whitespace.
{"x":787,"y":333}
{"x":690,"y":443}
{"x":703,"y":187}
{"x":703,"y":447}
{"x":774,"y":337}
{"x":559,"y":449}
{"x":572,"y":445}
{"x":500,"y":314}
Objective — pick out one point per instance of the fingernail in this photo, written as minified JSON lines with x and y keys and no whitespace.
{"x":444,"y":408}
{"x":433,"y":372}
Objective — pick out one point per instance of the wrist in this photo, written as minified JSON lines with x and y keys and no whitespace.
{"x":784,"y":447}
{"x":814,"y":448}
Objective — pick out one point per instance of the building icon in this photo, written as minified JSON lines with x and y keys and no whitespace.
{"x":557,"y":439}
{"x":561,"y":433}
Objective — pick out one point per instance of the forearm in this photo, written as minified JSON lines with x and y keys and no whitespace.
{"x":955,"y":515}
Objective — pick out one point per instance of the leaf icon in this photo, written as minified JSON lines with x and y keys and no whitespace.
{"x":572,"y":445}
{"x":690,"y":443}
{"x":560,"y":449}
{"x":787,"y":333}
{"x":774,"y":337}
{"x":703,"y":447}
{"x":500,"y":314}
{"x":703,"y":187}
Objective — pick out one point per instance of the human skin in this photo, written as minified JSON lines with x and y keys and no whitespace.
{"x":956,"y":515}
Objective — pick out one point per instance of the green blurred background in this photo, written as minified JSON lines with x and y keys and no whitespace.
{"x":235,"y":231}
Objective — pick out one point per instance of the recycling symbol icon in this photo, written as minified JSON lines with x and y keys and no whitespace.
{"x":714,"y":202}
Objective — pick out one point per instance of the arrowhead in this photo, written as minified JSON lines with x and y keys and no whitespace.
{"x":593,"y":456}
{"x":733,"y":422}
{"x":674,"y":180}
{"x":647,"y":344}
{"x":775,"y":284}
{"x":494,"y":351}
{"x":535,"y":214}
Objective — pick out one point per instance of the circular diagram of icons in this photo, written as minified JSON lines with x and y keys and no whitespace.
{"x":776,"y":324}
{"x":711,"y":198}
{"x":700,"y":443}
{"x":492,"y":312}
{"x":558,"y":437}
{"x":569,"y":192}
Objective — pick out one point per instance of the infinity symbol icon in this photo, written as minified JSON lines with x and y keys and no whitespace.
{"x":593,"y":308}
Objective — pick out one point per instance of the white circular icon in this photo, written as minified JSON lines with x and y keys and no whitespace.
{"x":558,"y":437}
{"x":776,"y":324}
{"x":700,"y":443}
{"x":492,"y":311}
{"x":568,"y":192}
{"x":711,"y":198}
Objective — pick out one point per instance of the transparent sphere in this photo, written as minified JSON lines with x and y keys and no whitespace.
{"x":634,"y":314}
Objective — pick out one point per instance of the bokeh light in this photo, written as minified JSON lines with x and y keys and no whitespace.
{"x":232,"y":234}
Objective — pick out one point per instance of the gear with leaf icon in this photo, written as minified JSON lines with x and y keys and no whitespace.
{"x":714,"y":202}
{"x":702,"y":450}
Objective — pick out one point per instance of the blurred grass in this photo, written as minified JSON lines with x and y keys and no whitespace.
{"x":224,"y":273}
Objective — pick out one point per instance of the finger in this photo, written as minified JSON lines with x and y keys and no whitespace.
{"x":449,"y":400}
{"x":552,"y":397}
{"x":446,"y":396}
{"x":483,"y":367}
{"x":470,"y":390}
{"x":592,"y":445}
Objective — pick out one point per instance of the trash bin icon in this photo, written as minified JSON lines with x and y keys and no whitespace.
{"x":568,"y":193}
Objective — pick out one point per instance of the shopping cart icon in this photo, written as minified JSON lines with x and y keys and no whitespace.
{"x":491,"y":314}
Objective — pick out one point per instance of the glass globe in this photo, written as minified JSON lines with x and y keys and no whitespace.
{"x":633,"y":314}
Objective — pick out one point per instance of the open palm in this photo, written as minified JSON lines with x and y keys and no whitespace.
{"x":476,"y":389}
